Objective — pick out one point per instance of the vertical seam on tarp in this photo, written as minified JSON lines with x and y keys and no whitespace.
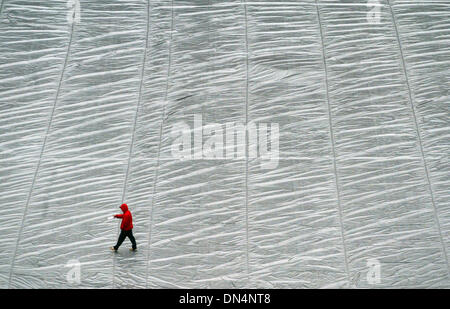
{"x":125,"y":185}
{"x":247,"y":140}
{"x":1,"y":7}
{"x":419,"y":138}
{"x":336,"y":180}
{"x":159,"y":145}
{"x":41,"y":153}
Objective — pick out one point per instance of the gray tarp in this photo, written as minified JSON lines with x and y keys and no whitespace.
{"x":88,"y":99}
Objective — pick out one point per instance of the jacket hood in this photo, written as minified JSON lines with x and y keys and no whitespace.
{"x":124,"y":207}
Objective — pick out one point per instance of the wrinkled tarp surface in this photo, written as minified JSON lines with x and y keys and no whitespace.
{"x":86,"y":111}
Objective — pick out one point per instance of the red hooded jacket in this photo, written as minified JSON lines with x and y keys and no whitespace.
{"x":127,"y":220}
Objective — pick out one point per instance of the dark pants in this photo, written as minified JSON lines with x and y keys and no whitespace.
{"x":122,"y":236}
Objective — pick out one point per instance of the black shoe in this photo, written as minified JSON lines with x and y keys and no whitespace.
{"x":133,"y":249}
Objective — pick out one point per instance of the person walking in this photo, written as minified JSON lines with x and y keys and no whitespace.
{"x":126,"y":228}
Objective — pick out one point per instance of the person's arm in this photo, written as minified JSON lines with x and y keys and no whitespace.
{"x":118,"y":216}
